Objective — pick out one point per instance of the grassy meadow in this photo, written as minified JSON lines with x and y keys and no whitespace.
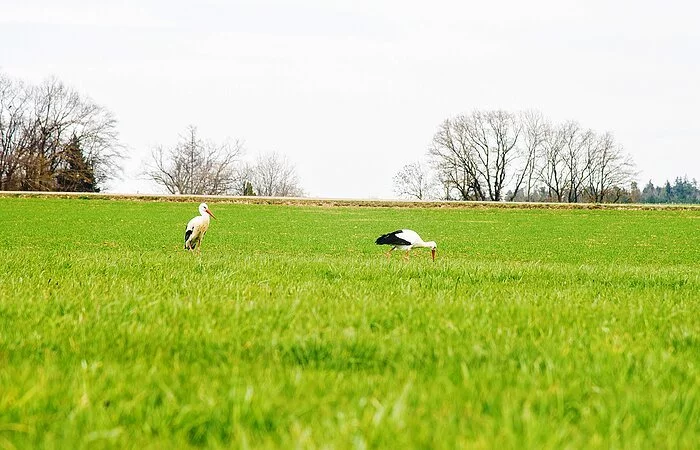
{"x":534,"y":328}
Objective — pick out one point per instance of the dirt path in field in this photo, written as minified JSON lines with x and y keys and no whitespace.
{"x":330,"y":202}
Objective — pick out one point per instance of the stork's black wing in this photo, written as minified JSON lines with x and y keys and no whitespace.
{"x":391,"y":239}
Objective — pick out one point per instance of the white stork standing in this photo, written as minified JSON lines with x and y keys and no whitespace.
{"x":197,"y":228}
{"x":405,"y":240}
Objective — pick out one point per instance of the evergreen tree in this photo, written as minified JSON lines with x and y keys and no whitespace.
{"x":74,"y":173}
{"x":248,"y":189}
{"x":684,"y":191}
{"x":649,"y":194}
{"x":667,"y":193}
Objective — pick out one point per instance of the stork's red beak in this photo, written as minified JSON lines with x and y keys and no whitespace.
{"x":209,"y":212}
{"x":432,"y":251}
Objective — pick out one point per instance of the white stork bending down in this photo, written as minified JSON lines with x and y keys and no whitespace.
{"x":405,"y":240}
{"x":197,"y":228}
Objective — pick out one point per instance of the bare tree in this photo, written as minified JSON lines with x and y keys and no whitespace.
{"x":576,"y":158}
{"x":610,"y":169}
{"x":13,"y":140}
{"x":564,"y":161}
{"x":273,"y":175}
{"x":502,"y":136}
{"x":480,"y":154}
{"x":195,"y":166}
{"x":454,"y":162}
{"x":414,"y":181}
{"x":552,"y":170}
{"x":534,"y":131}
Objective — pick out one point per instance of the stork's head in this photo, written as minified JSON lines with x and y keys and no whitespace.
{"x":204,"y":210}
{"x":433,"y":247}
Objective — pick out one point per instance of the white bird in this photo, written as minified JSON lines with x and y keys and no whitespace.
{"x":197,"y":228}
{"x":405,"y":240}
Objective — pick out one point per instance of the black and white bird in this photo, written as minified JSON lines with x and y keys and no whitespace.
{"x":197,"y":228}
{"x":405,"y":240}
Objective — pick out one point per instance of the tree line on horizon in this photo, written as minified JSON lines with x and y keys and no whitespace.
{"x":682,"y":190}
{"x":54,"y":139}
{"x":497,"y":155}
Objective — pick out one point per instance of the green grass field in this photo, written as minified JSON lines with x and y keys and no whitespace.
{"x":534,"y":328}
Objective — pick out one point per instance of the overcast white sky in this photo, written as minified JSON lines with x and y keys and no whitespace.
{"x":352,"y":90}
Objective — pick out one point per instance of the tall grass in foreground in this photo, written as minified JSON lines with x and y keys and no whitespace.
{"x":533,"y":329}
